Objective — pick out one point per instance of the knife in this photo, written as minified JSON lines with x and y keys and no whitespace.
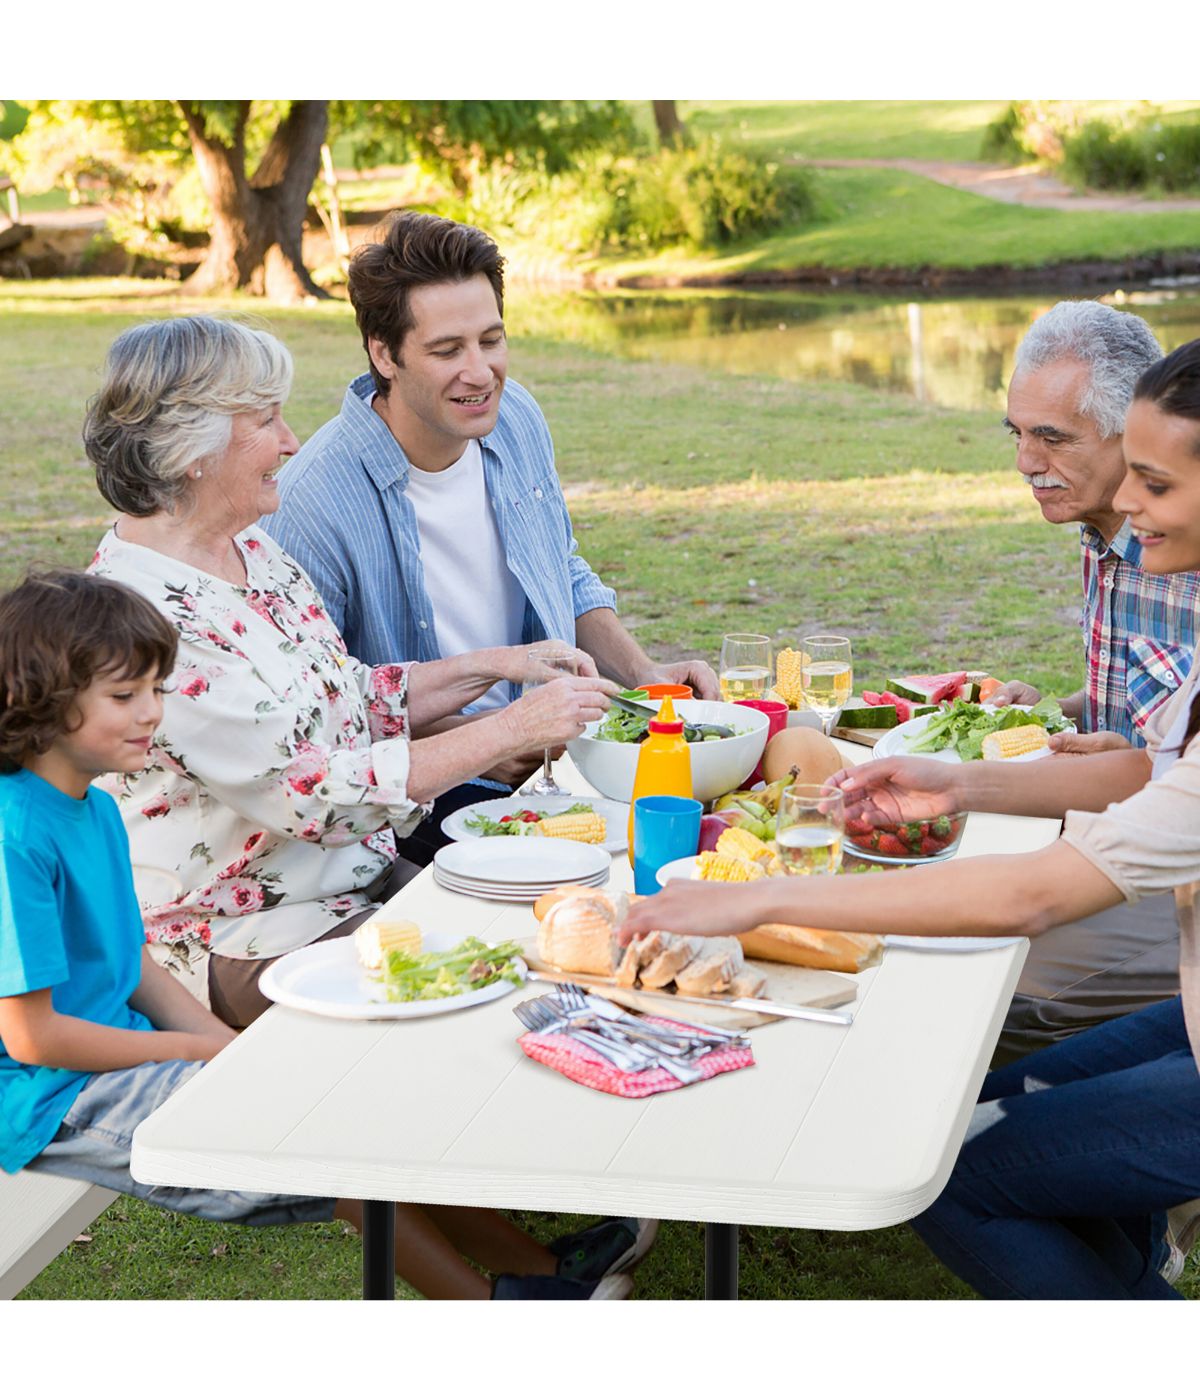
{"x":760,"y":1004}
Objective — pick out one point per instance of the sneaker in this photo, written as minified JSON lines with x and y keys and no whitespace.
{"x":1183,"y":1225}
{"x":548,"y":1288}
{"x":610,"y":1247}
{"x":1173,"y":1268}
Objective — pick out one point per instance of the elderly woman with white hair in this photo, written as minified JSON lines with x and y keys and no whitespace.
{"x":266,"y":817}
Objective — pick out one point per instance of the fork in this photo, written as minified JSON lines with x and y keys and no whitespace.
{"x":574,"y":998}
{"x":539,"y":1015}
{"x":607,"y":1017}
{"x":540,"y":1019}
{"x":628,"y":1029}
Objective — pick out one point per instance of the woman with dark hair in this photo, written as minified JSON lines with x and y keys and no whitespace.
{"x":1075,"y":1153}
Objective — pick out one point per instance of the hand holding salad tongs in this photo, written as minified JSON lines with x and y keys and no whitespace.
{"x":693,"y":733}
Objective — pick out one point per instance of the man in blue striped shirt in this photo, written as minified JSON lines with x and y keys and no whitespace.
{"x":429,"y":513}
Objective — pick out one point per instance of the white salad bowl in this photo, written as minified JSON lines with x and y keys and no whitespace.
{"x":718,"y":765}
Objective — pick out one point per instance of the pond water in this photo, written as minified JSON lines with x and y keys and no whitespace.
{"x":955,"y":352}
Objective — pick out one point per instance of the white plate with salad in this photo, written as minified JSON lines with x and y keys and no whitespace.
{"x":510,"y":816}
{"x":961,"y":726}
{"x":329,"y":980}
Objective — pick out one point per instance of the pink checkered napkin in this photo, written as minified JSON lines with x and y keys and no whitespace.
{"x":582,"y":1064}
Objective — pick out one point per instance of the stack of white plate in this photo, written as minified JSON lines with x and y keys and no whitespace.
{"x":519,"y":868}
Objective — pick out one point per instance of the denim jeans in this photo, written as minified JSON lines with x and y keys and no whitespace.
{"x":96,"y":1138}
{"x":1072,"y":1157}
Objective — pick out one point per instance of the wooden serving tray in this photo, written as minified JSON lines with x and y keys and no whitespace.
{"x":801,"y":986}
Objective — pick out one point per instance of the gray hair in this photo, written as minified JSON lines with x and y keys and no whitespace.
{"x":1116,"y":346}
{"x":167,"y":401}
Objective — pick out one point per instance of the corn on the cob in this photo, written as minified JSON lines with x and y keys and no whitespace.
{"x":589,"y":827}
{"x":1009,"y":743}
{"x":379,"y":936}
{"x":744,"y":845}
{"x":788,"y":683}
{"x":711,"y":866}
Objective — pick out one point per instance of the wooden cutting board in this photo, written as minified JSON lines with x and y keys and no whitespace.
{"x":802,"y":986}
{"x":868,"y":737}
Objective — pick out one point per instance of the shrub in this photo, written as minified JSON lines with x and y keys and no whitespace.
{"x":1027,"y":131}
{"x":700,"y":196}
{"x":1173,"y":155}
{"x":1105,"y":157}
{"x":1002,"y":137}
{"x":1099,"y":154}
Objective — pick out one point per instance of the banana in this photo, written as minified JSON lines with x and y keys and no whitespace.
{"x":772,"y":794}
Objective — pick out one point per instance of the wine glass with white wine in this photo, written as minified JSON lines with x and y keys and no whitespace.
{"x":745,"y":671}
{"x":826,"y":676}
{"x":567,"y":662}
{"x":809,"y":829}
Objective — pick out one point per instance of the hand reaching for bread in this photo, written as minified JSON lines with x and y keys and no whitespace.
{"x":588,"y":931}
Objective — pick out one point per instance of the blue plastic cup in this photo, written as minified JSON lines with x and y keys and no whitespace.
{"x":664,"y":829}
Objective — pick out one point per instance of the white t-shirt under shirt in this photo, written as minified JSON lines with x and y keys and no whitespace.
{"x":476,"y":600}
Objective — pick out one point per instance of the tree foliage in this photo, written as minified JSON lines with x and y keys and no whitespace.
{"x":456,"y":140}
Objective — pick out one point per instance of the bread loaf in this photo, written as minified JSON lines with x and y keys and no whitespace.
{"x":812,"y":947}
{"x":547,"y":901}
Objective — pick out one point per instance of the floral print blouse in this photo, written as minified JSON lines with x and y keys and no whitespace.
{"x":275,"y":787}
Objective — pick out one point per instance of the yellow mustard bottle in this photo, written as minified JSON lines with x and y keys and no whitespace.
{"x":664,"y":766}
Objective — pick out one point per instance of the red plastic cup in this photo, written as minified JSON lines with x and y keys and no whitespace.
{"x":661,"y":692}
{"x":777,"y":714}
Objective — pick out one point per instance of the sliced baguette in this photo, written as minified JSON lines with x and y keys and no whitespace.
{"x":812,"y":947}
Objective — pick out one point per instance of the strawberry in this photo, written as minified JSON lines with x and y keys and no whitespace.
{"x":889,"y":845}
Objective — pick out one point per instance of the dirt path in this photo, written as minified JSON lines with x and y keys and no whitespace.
{"x":1024,"y":184}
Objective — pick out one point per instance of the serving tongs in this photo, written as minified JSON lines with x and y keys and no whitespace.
{"x":693,"y":733}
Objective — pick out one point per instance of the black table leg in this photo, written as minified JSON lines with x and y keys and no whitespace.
{"x":379,"y":1249}
{"x":720,"y":1261}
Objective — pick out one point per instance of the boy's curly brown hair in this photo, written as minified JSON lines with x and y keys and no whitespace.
{"x":59,"y":630}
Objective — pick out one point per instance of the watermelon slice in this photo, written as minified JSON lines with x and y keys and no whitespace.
{"x":931,"y":690}
{"x":904,"y":708}
{"x":870,"y":715}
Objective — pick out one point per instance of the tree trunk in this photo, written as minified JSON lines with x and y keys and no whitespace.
{"x":666,"y":119}
{"x":257,"y":224}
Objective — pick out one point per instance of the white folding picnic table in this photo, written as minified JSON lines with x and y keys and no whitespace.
{"x":847,"y":1128}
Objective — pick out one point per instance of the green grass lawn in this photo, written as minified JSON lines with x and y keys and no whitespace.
{"x":847,"y":130}
{"x":713,"y":503}
{"x":944,"y":131}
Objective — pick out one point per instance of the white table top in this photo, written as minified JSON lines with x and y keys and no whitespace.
{"x":834,"y":1128}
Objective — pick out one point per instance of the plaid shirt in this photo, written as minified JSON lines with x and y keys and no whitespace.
{"x":1139,"y":632}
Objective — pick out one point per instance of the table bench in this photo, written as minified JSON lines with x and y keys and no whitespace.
{"x":39,"y":1216}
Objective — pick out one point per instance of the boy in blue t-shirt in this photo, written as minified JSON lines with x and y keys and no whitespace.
{"x":94,"y":1035}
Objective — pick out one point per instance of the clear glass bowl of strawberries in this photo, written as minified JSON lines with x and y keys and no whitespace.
{"x":908,"y":843}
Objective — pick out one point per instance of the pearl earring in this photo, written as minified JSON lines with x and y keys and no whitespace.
{"x":198,"y":475}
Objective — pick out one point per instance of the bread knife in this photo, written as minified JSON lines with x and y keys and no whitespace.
{"x":758,"y":1004}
